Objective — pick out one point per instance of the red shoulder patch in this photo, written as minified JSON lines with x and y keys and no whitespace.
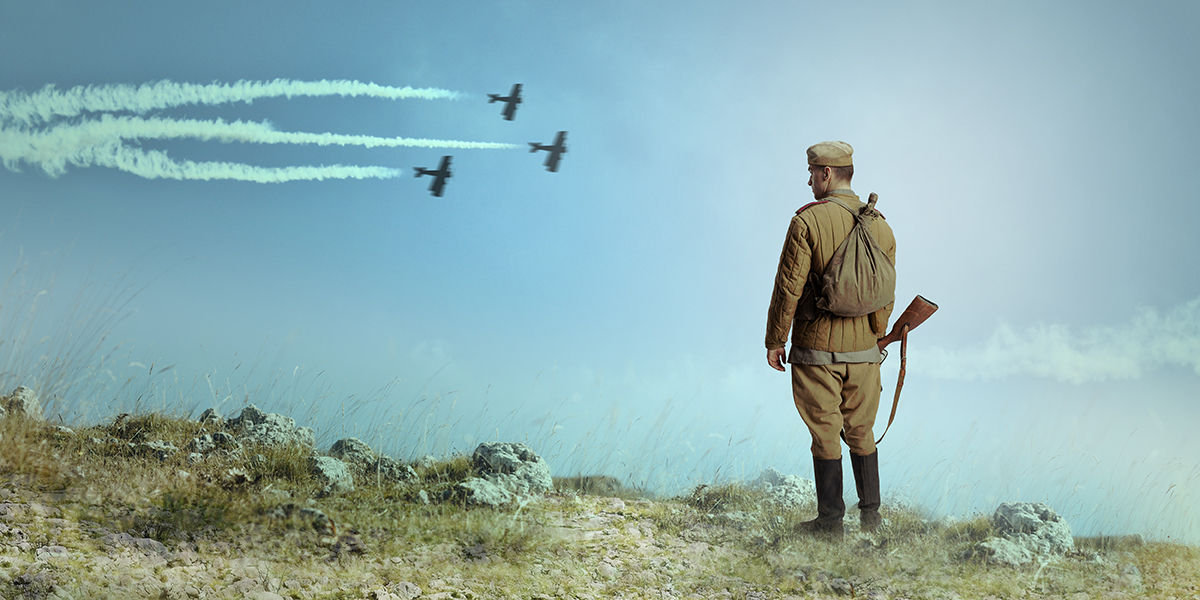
{"x":811,"y":204}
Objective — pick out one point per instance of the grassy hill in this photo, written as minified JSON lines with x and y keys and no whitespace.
{"x":90,"y":513}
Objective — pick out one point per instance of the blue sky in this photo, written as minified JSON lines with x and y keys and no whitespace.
{"x":1033,"y":160}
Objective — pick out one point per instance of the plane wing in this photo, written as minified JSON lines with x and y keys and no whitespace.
{"x":552,"y":161}
{"x":439,"y":183}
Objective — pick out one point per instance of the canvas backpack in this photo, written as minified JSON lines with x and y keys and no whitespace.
{"x":860,"y":278}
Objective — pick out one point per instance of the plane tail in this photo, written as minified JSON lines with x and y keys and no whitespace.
{"x":534,"y":147}
{"x":493,"y":97}
{"x":419,"y":171}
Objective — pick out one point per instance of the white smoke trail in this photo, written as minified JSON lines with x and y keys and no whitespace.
{"x":52,"y":149}
{"x":153,"y":164}
{"x":1150,"y":340}
{"x":49,"y":103}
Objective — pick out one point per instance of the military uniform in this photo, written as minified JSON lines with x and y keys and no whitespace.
{"x":834,"y":360}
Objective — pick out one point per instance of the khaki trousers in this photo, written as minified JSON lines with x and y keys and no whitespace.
{"x":837,"y":397}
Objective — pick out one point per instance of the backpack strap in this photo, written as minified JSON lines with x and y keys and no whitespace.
{"x":842,"y":204}
{"x":864,"y":214}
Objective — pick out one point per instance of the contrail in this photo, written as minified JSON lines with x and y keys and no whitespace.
{"x":1148,"y":341}
{"x":52,"y":147}
{"x":154,"y":164}
{"x":49,"y":103}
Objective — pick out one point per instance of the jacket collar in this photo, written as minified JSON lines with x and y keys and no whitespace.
{"x":842,"y":193}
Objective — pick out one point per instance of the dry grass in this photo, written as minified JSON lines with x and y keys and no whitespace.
{"x":718,"y":541}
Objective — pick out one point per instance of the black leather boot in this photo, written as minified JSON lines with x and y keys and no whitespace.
{"x":866,"y":479}
{"x":830,"y":507}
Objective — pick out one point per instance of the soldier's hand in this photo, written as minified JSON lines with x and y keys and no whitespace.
{"x":775,"y":358}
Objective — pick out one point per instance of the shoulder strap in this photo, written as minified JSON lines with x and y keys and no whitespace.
{"x":841,"y":204}
{"x":802,"y":208}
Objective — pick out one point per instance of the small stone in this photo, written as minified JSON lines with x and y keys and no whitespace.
{"x":606,"y":570}
{"x":49,"y":552}
{"x":405,"y":590}
{"x":475,"y":553}
{"x":210,"y":416}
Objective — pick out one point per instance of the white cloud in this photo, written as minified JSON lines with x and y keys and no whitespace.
{"x":1150,"y":340}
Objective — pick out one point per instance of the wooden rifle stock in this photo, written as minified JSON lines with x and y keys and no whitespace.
{"x":918,"y":310}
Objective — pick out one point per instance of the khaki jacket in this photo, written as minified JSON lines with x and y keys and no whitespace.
{"x":813,"y":236}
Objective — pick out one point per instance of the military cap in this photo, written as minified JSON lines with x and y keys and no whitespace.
{"x":830,"y":154}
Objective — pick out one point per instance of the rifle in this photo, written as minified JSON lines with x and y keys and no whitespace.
{"x":918,"y":310}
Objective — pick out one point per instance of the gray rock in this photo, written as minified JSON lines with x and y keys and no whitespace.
{"x":158,"y":449}
{"x":210,"y":416}
{"x":214,"y":441}
{"x":1131,"y":577}
{"x":515,"y":459}
{"x":1002,"y":551}
{"x":269,"y":429}
{"x":786,"y":491}
{"x":1028,"y":532}
{"x":484,"y":492}
{"x":22,"y":401}
{"x":354,"y":452}
{"x":49,"y":552}
{"x":509,"y":472}
{"x":369,"y":467}
{"x":315,"y":517}
{"x":395,"y":471}
{"x":144,"y":545}
{"x":1047,"y":532}
{"x":333,"y":474}
{"x":36,"y":583}
{"x":405,"y":590}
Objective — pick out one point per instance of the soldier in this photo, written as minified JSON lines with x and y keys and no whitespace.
{"x":835,"y":360}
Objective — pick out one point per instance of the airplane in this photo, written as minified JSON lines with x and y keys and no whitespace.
{"x":440,"y":175}
{"x":510,"y":101}
{"x":556,"y":150}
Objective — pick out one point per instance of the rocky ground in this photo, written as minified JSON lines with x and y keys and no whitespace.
{"x":159,"y":507}
{"x":567,"y":546}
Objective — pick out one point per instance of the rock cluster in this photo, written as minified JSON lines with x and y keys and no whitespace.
{"x":1029,"y":532}
{"x":22,"y":401}
{"x":509,"y":473}
{"x":369,"y":466}
{"x":269,"y":429}
{"x":786,"y":491}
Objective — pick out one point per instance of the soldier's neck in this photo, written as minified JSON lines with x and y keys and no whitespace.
{"x":840,"y":190}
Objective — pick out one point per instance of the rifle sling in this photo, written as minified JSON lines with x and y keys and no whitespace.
{"x":899,"y":383}
{"x":899,"y":380}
